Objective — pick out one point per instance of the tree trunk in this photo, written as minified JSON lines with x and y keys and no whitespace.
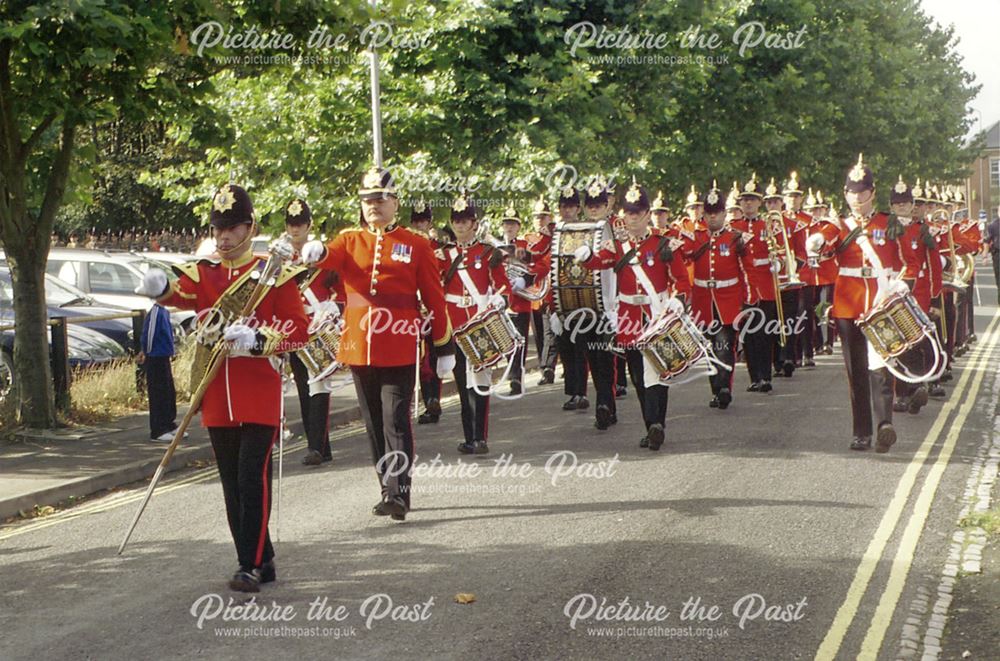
{"x":32,"y":369}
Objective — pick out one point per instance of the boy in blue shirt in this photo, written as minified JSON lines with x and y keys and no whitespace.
{"x":157,"y":350}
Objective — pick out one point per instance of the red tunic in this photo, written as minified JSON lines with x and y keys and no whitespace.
{"x":246,"y":389}
{"x":383,"y":272}
{"x":922,"y":263}
{"x":719,"y":281}
{"x":857,"y":281}
{"x":475,"y":261}
{"x":666,"y":277}
{"x":519,"y":304}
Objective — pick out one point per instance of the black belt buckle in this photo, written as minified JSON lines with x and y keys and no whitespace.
{"x":711,"y":284}
{"x":866,"y":271}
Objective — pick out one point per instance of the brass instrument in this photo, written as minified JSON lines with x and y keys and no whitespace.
{"x":951,"y":277}
{"x":781,"y":254}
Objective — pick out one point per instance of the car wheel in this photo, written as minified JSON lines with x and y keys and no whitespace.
{"x":6,"y":376}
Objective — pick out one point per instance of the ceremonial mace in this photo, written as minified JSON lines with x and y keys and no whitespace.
{"x":219,"y":354}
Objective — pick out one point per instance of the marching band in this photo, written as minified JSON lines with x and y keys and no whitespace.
{"x":676,"y":298}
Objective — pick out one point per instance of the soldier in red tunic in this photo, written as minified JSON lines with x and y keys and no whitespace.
{"x":538,"y":246}
{"x":648,"y":276}
{"x":242,"y":405}
{"x":421,"y":222}
{"x":796,"y":224}
{"x":922,"y":274}
{"x":514,"y":249}
{"x":474,"y":278}
{"x":761,"y":309}
{"x":718,"y":290}
{"x":868,"y":258}
{"x":388,"y":271}
{"x":318,"y":291}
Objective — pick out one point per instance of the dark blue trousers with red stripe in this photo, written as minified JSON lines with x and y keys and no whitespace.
{"x":243,"y":457}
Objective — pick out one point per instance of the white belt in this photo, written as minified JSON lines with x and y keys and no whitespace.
{"x":761,"y":261}
{"x":865,"y":272}
{"x":461,"y":301}
{"x":716,"y":284}
{"x":634,"y":299}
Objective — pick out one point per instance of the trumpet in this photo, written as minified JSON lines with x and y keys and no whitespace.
{"x":781,"y":255}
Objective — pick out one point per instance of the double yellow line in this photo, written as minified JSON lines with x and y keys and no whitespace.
{"x":830,"y":647}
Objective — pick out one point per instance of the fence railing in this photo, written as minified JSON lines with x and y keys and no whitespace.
{"x":59,"y":352}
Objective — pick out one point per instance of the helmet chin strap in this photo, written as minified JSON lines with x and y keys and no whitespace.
{"x":239,"y":248}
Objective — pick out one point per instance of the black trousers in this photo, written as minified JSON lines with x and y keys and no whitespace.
{"x":869,"y":389}
{"x":475,"y":407}
{"x":824,"y":293}
{"x":948,"y":311}
{"x":162,"y":395}
{"x":385,"y":395}
{"x":653,"y":398}
{"x":430,"y":385}
{"x":723,"y":339}
{"x":574,"y":360}
{"x":758,"y":343}
{"x":601,"y":362}
{"x":315,"y":409}
{"x":522,"y":320}
{"x":243,"y":457}
{"x":918,"y":360}
{"x":790,"y":310}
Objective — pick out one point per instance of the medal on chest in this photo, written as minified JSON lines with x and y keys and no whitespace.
{"x":478,"y":264}
{"x":878,"y":236}
{"x":402,"y":253}
{"x":724,"y":249}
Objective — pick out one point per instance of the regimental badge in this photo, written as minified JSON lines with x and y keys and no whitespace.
{"x":692,"y":197}
{"x":567,"y":192}
{"x":402,"y":253}
{"x":857,"y":173}
{"x":540,"y":205}
{"x":295,"y":208}
{"x":900,"y":186}
{"x":419,"y":206}
{"x":595,"y":189}
{"x":772,"y":189}
{"x":373,"y":179}
{"x":633,"y":194}
{"x":224,"y":199}
{"x":460,"y":204}
{"x":713,"y":197}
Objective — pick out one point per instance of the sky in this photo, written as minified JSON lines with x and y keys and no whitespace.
{"x":977,"y":25}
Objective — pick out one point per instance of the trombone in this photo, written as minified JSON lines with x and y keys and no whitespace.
{"x":779,"y":254}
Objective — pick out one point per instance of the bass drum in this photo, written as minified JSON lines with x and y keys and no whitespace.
{"x":574,"y":286}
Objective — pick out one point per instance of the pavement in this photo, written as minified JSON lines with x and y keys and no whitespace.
{"x":753,"y":534}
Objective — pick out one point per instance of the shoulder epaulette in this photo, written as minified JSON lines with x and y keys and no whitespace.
{"x":190,"y":269}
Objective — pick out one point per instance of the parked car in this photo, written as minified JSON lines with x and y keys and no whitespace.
{"x":108,"y":280}
{"x":87,"y":347}
{"x":64,"y":300}
{"x":146,"y":260}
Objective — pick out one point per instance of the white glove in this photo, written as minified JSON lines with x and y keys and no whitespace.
{"x":582,"y":254}
{"x":282,"y":248}
{"x":497,"y":301}
{"x":814,"y":243}
{"x":241,"y":338}
{"x":154,"y":284}
{"x":445,"y":365}
{"x":555,"y":324}
{"x":328,"y":309}
{"x":312,"y":252}
{"x":518,"y":283}
{"x":897,"y":287}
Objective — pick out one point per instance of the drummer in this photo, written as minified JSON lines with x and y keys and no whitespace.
{"x":867,"y":252}
{"x":474,"y":279}
{"x":648,"y":276}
